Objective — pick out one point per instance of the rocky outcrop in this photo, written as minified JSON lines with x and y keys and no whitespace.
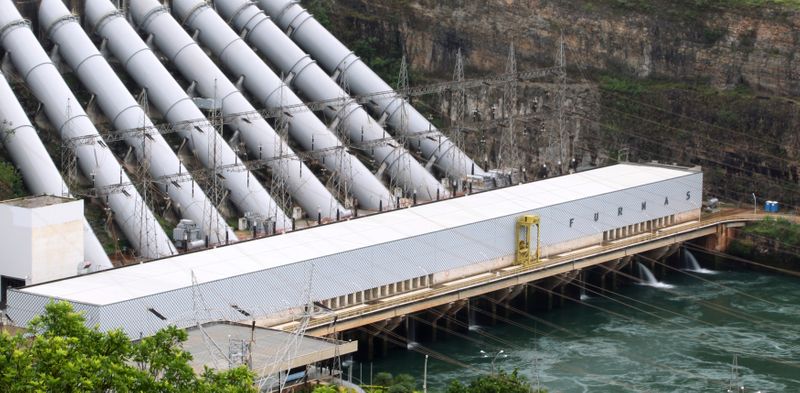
{"x":649,"y":80}
{"x":726,"y":46}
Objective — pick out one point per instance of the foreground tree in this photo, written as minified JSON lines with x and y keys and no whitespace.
{"x":387,"y":383}
{"x":495,"y":383}
{"x":60,"y":354}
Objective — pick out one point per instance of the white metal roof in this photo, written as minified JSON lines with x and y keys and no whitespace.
{"x":112,"y":286}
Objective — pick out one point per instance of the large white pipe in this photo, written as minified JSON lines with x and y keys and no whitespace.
{"x":338,"y":60}
{"x":259,"y":137}
{"x":272,"y":93}
{"x":118,"y":104}
{"x":245,"y":192}
{"x":315,"y":84}
{"x":94,"y":157}
{"x":37,"y":168}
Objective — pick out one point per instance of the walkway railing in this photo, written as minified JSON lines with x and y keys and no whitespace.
{"x":546,"y":264}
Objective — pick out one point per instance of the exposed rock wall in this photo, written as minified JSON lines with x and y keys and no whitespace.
{"x":752,"y":45}
{"x":649,"y":80}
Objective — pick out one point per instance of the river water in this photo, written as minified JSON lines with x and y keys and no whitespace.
{"x":678,"y":339}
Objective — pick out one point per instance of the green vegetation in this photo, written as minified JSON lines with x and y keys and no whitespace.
{"x":11,"y":185}
{"x":616,"y":83}
{"x":320,"y":9}
{"x":689,"y":9}
{"x":330,"y":389}
{"x":384,"y":60}
{"x":772,"y":242}
{"x":780,"y":229}
{"x":62,"y":355}
{"x":387,"y":383}
{"x":495,"y":383}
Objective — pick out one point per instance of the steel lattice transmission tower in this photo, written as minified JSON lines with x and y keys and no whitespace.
{"x":143,"y":175}
{"x":458,"y":105}
{"x":562,"y":94}
{"x":216,"y":190}
{"x":279,"y":189}
{"x":404,"y":159}
{"x":508,"y":151}
{"x":338,"y":182}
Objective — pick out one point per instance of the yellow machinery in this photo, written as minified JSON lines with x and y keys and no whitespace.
{"x":525,"y":225}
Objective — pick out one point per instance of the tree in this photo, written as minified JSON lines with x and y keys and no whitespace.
{"x":383,"y":379}
{"x":495,"y":383}
{"x":60,"y":354}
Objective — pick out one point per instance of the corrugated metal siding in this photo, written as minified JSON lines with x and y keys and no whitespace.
{"x":284,"y":287}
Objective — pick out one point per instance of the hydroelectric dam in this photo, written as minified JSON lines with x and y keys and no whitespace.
{"x":354,"y":211}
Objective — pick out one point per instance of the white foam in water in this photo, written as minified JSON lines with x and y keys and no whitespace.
{"x":693,"y":265}
{"x":650,"y":280}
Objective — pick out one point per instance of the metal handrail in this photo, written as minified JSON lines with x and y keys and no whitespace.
{"x":663,"y":233}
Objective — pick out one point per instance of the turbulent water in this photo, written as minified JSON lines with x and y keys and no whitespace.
{"x":679,"y":339}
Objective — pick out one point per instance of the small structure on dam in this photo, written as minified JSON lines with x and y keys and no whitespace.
{"x":379,"y":256}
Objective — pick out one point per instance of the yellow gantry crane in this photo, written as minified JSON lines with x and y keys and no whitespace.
{"x":524,"y":227}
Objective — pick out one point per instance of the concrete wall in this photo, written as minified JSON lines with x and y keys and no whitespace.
{"x":41,"y":243}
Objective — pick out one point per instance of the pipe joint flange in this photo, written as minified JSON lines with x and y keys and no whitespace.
{"x":342,"y":66}
{"x":107,"y":18}
{"x":285,"y":9}
{"x":247,"y":4}
{"x":348,"y":105}
{"x":295,"y":26}
{"x":193,"y":12}
{"x":277,"y":90}
{"x":58,"y":23}
{"x":13,"y":25}
{"x":389,"y":111}
{"x":298,"y":67}
{"x":152,"y":14}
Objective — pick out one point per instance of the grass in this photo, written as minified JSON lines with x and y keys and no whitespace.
{"x":780,"y":229}
{"x":621,"y":84}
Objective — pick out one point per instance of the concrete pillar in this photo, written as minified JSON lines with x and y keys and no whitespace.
{"x":614,"y":281}
{"x":525,"y":290}
{"x":603,"y":282}
{"x":370,"y":347}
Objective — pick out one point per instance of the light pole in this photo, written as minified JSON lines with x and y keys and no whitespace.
{"x":754,"y":204}
{"x":494,"y":358}
{"x":425,"y":376}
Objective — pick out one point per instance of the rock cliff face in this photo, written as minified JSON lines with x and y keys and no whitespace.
{"x":696,"y":83}
{"x":726,"y":46}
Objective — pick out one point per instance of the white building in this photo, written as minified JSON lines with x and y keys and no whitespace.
{"x":41,"y":239}
{"x":374,"y":256}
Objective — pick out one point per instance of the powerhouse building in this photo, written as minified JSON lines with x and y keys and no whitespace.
{"x":367,"y":258}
